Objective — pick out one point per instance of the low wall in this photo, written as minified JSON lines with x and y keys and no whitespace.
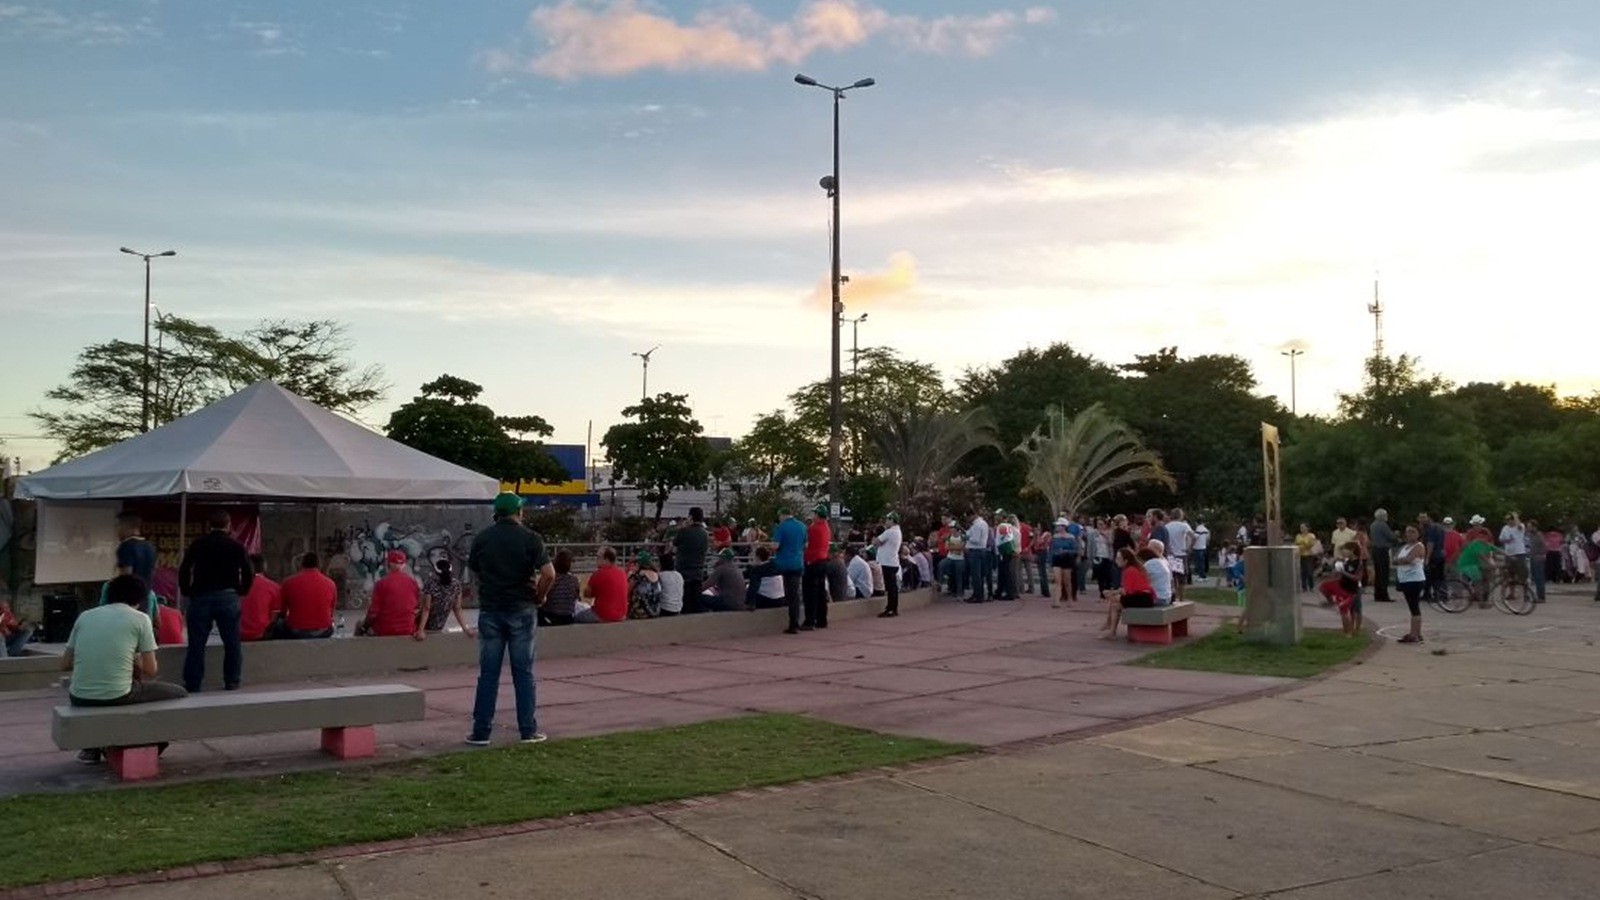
{"x":268,"y":662}
{"x":29,"y":672}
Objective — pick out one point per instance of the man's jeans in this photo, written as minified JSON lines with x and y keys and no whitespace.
{"x":978,"y":573}
{"x":1043,"y":559}
{"x":500,"y":632}
{"x":141,"y":692}
{"x":16,"y":643}
{"x":1007,"y":571}
{"x":1201,"y":565}
{"x":954,"y":573}
{"x":1537,"y":570}
{"x":219,"y":609}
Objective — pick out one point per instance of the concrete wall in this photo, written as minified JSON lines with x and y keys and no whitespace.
{"x":268,"y":662}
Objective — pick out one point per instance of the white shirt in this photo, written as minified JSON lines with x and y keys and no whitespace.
{"x":1243,"y":537}
{"x":978,"y":534}
{"x":671,"y":591}
{"x":1410,"y":572}
{"x":1178,"y":537}
{"x":771,"y":587}
{"x":889,"y":546}
{"x":860,"y":577}
{"x":1160,"y":580}
{"x":1514,"y":540}
{"x":1202,"y":538}
{"x":924,"y":566}
{"x":1007,"y":533}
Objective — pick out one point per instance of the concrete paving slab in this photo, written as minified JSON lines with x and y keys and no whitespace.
{"x":887,"y":841}
{"x":641,"y":857}
{"x":947,"y":641}
{"x":300,"y":883}
{"x":1340,"y":686}
{"x":1080,"y":698}
{"x":1241,"y":835}
{"x":1513,"y":872}
{"x":877,"y":654}
{"x":1509,"y":757}
{"x":952,"y":720}
{"x":1483,"y":804}
{"x":1581,"y":734}
{"x":1186,"y":741}
{"x":1042,"y":769}
{"x":1218,"y":683}
{"x":911,"y":681}
{"x":1587,"y":843}
{"x":664,"y":680}
{"x":1464,"y":705}
{"x":1571,"y":694}
{"x":996,"y":664}
{"x":633,"y":714}
{"x":1301,"y":721}
{"x":789,"y":696}
{"x":686,"y":655}
{"x":1075,"y":648}
{"x":788,"y":666}
{"x":579,"y":666}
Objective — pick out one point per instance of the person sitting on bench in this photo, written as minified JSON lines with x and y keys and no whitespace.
{"x":111,"y":654}
{"x":765,"y":583}
{"x":396,"y":607}
{"x":308,"y":601}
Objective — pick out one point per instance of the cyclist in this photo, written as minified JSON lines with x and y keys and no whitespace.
{"x":1471,"y":563}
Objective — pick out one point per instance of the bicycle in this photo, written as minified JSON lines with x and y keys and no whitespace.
{"x":1514,"y":593}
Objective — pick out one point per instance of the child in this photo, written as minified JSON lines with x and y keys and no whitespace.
{"x":1344,"y":588}
{"x":1228,"y":563}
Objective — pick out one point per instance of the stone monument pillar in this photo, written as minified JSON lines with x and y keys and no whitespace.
{"x":1272,"y":595}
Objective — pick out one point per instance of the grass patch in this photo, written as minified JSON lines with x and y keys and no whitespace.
{"x":1213,"y":596}
{"x":1225,"y":650}
{"x":144,"y":829}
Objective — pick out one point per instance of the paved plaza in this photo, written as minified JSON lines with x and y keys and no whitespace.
{"x":1463,"y":768}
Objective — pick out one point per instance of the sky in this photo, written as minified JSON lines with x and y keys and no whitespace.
{"x":523,"y":193}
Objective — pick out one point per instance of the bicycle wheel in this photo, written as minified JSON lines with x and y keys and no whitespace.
{"x":1515,"y":598}
{"x":1455,"y":597}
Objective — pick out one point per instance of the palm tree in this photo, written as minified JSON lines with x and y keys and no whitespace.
{"x":922,"y":446}
{"x":1072,"y":460}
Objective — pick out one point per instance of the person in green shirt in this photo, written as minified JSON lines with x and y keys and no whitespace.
{"x":111,"y":654}
{"x":1469,"y":564}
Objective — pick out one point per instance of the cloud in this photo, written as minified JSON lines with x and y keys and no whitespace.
{"x":613,"y":38}
{"x":24,"y":22}
{"x":898,"y":282}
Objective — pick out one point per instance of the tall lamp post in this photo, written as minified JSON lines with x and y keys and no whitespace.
{"x":1293,"y":353}
{"x":644,"y":388}
{"x":144,"y":404}
{"x":855,"y":341}
{"x":830,"y":183}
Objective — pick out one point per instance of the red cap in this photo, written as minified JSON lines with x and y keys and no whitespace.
{"x":396,"y":557}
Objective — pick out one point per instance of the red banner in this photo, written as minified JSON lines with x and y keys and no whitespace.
{"x":161,"y":529}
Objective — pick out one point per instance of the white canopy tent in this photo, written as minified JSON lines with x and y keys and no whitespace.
{"x":263,"y":443}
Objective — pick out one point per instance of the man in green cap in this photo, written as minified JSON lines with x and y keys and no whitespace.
{"x":789,"y":560}
{"x":727,"y":588}
{"x":507,"y":558}
{"x":814,"y":585}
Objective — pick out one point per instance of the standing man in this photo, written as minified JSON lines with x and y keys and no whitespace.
{"x":790,"y":536}
{"x":1202,"y":550}
{"x":1344,"y":534}
{"x":1007,"y":541}
{"x":819,"y":534}
{"x":1514,"y":541}
{"x":888,"y":542}
{"x":135,"y":555}
{"x":1381,"y":539}
{"x":690,"y":546}
{"x":1433,"y":537}
{"x":1180,"y":543}
{"x":214,"y":574}
{"x":507,"y":558}
{"x":978,"y":535}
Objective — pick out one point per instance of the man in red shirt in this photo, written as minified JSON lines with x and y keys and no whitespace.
{"x":608,"y":589}
{"x":721,"y":537}
{"x":308,"y":601}
{"x":262,"y":606}
{"x":814,"y":581}
{"x":1454,"y":541}
{"x":171,"y":630}
{"x":395,"y":599}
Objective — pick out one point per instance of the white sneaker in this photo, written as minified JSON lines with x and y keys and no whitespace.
{"x":478,"y":742}
{"x":538,"y":737}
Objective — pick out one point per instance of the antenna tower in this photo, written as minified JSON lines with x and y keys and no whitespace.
{"x":1376,"y":309}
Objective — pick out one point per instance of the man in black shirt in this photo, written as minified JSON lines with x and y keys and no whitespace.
{"x":507,"y":557}
{"x":691,"y":543}
{"x":215,"y":573}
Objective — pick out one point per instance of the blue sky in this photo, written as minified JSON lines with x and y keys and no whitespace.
{"x":521,"y":193}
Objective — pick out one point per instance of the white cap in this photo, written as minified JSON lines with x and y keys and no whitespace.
{"x":1449,"y":521}
{"x":1062,"y":522}
{"x":1476,"y":520}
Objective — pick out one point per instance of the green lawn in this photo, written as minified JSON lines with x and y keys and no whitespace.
{"x":1213,"y":596}
{"x":55,"y":837}
{"x":1225,"y":650}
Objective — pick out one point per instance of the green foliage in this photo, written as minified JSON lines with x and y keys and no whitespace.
{"x":446,"y":421}
{"x":867,"y":496}
{"x":918,"y":446}
{"x":662,"y":451}
{"x":882,"y":381}
{"x":556,"y":522}
{"x":627,"y":530}
{"x":960,"y":496}
{"x":762,"y":505}
{"x":194,"y":364}
{"x":1070,"y":461}
{"x":185,"y":824}
{"x":1225,"y":650}
{"x":779,"y":450}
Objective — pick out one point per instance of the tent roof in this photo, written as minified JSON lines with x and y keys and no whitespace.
{"x":261,"y":442}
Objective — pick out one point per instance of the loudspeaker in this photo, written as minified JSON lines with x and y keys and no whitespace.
{"x":60,"y":614}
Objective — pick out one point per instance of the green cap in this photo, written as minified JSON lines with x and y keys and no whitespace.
{"x":727,"y":553}
{"x":507,"y":503}
{"x":891,"y":517}
{"x":784,"y":511}
{"x":821,"y":510}
{"x":644,"y":558}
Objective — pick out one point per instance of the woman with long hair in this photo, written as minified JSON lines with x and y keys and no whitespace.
{"x":1135,"y":591}
{"x":1410,"y":567}
{"x":441,"y":594}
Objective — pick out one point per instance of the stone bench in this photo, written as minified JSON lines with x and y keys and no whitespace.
{"x":130,"y":734}
{"x":1158,"y":624}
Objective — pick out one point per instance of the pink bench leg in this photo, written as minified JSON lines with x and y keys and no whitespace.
{"x":1150,"y":634}
{"x":1180,"y":628}
{"x":134,"y":763}
{"x":349,"y":743}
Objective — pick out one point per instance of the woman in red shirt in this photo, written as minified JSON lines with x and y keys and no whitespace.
{"x":1135,"y":592}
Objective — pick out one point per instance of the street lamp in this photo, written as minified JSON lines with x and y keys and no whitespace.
{"x":644,"y":389}
{"x":830,"y":183}
{"x":855,"y":341}
{"x":1293,"y":353}
{"x":144,"y":405}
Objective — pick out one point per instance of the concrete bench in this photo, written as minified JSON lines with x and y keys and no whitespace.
{"x":1158,"y":624}
{"x":130,"y":733}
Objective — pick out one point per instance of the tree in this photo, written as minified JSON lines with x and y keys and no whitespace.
{"x":193,"y":364}
{"x":882,"y":380}
{"x":919,"y":446}
{"x":867,"y":496}
{"x":446,"y":421}
{"x":662,"y":451}
{"x":1073,"y":460}
{"x":779,"y":450}
{"x":923,"y":511}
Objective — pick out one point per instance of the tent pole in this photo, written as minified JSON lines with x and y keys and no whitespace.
{"x":183,"y":536}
